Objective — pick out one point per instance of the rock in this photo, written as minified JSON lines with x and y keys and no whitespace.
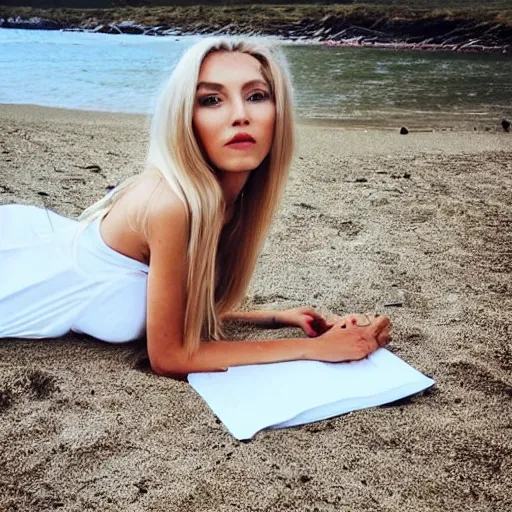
{"x":404,"y":131}
{"x":505,"y":124}
{"x":34,"y":23}
{"x":170,"y":32}
{"x":107,"y":29}
{"x":113,"y":29}
{"x":154,"y":31}
{"x":131,"y":27}
{"x":92,"y":168}
{"x":395,"y":304}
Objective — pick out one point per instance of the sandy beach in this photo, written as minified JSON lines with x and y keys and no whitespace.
{"x":370,"y":217}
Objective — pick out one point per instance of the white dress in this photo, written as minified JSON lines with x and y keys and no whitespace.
{"x":56,"y":277}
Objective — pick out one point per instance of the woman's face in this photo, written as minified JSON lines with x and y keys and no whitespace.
{"x":234,"y":112}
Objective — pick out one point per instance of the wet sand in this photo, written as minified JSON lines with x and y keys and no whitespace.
{"x":369,"y":217}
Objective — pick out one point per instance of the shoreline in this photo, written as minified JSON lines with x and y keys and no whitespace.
{"x":342,"y":26}
{"x":469,"y":46}
{"x":414,"y":123}
{"x":357,"y":41}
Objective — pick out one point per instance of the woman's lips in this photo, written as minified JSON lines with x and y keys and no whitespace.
{"x":241,"y":140}
{"x":245,"y":144}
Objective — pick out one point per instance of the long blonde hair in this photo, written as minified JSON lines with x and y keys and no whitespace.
{"x":221,"y":260}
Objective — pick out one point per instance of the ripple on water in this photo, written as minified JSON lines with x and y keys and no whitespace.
{"x":123,"y":73}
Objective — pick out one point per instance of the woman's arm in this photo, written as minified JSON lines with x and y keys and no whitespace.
{"x":311,"y":321}
{"x":214,"y":356}
{"x":341,"y":343}
{"x":167,"y":240}
{"x":262,"y":318}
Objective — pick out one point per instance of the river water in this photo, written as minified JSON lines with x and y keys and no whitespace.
{"x":123,"y":73}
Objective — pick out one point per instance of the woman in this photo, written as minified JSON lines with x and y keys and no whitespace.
{"x":170,"y":252}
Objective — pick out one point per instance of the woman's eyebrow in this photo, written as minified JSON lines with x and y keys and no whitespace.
{"x":219,"y":87}
{"x":252,"y":83}
{"x":210,"y":85}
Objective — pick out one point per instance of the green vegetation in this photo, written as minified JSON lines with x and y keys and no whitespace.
{"x":410,"y":4}
{"x":435,"y":21}
{"x":272,"y":14}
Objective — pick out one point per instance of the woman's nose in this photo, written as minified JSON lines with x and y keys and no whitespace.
{"x":240,"y":115}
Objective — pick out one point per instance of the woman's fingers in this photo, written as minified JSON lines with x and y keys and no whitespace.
{"x":380,"y":323}
{"x":381,"y":329}
{"x":376,"y":333}
{"x":361,"y":319}
{"x":311,"y":326}
{"x":320,"y":326}
{"x":348,"y":341}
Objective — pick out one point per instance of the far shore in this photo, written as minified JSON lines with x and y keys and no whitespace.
{"x":464,"y":30}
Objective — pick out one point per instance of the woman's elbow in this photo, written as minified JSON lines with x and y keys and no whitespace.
{"x":179,"y":363}
{"x":168,"y":369}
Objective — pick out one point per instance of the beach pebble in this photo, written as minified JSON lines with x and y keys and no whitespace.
{"x":92,"y":168}
{"x":505,"y":124}
{"x":404,"y":131}
{"x":393,"y":304}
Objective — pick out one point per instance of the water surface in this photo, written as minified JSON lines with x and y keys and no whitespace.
{"x":123,"y":73}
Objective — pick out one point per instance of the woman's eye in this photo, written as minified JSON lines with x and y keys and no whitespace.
{"x":209,"y":101}
{"x":259,"y":96}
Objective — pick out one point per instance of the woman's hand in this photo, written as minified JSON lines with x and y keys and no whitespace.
{"x":349,"y":341}
{"x":354,"y":318}
{"x":314,"y":323}
{"x":307,"y":318}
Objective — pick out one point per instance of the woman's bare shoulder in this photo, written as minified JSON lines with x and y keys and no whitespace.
{"x":148,"y":198}
{"x":155,"y":211}
{"x":164,"y":206}
{"x":148,"y":208}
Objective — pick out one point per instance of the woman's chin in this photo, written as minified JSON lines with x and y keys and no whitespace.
{"x":241,"y":165}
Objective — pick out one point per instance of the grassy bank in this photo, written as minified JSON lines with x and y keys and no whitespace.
{"x":382,"y":21}
{"x":257,"y":14}
{"x":411,"y":4}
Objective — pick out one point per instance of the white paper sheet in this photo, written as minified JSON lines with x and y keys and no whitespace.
{"x":250,"y":398}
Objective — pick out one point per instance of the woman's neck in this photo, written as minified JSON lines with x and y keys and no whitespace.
{"x":232,"y":184}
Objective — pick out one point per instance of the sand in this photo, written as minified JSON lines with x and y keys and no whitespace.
{"x":369,"y":217}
